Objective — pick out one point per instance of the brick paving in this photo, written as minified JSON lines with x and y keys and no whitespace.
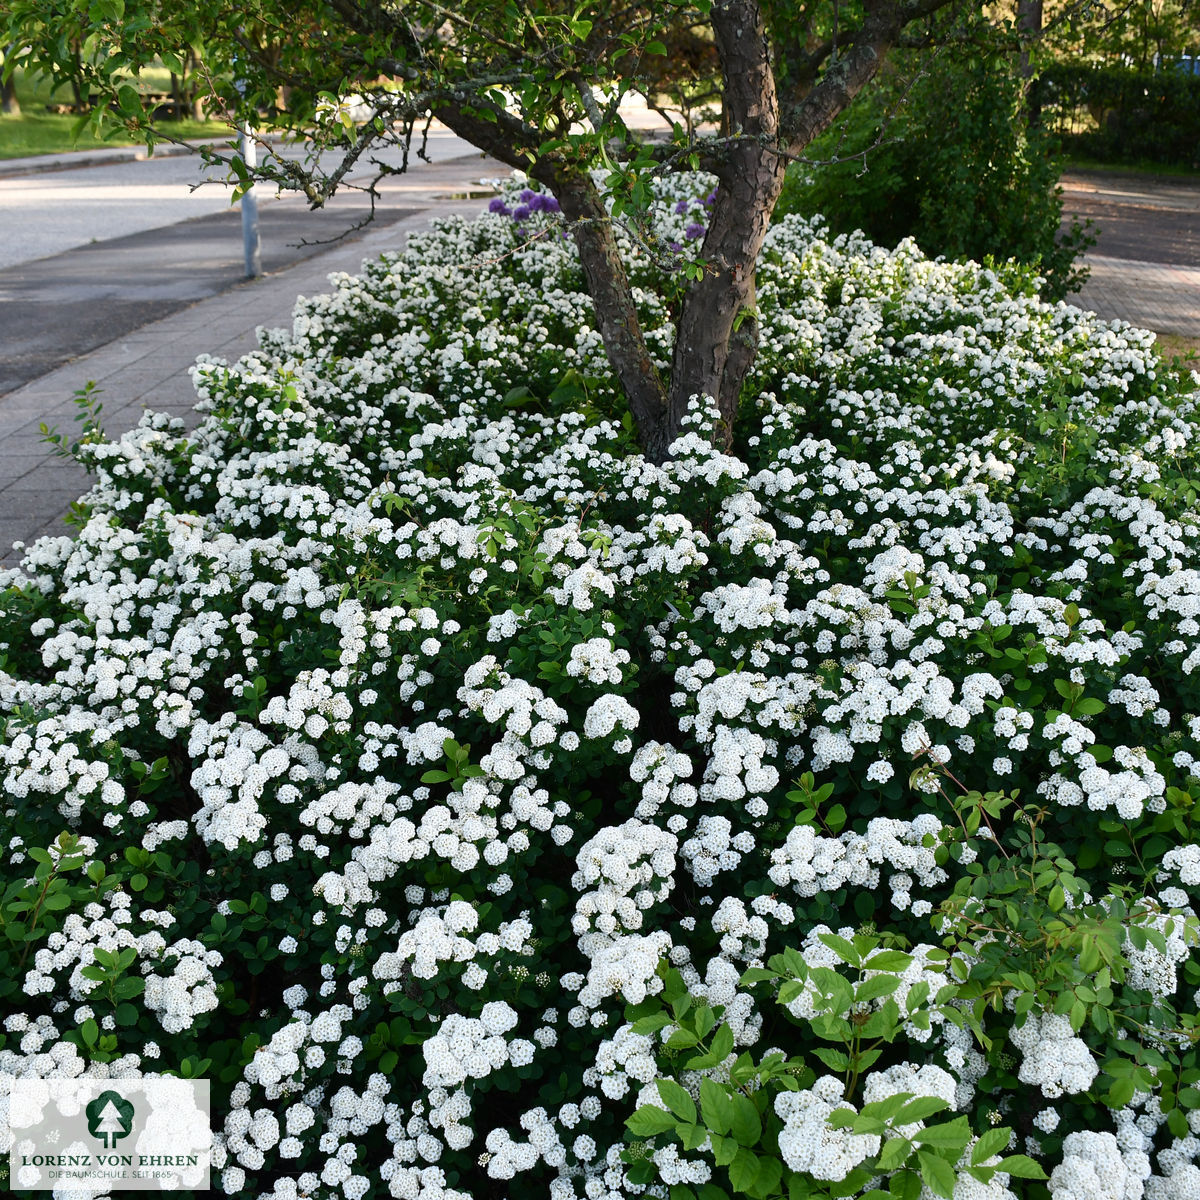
{"x":1153,"y":295}
{"x":148,"y":368}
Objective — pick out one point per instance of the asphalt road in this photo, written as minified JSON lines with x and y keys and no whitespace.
{"x":151,"y":253}
{"x":57,"y":308}
{"x":47,"y":214}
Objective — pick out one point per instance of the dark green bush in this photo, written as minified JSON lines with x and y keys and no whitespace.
{"x":950,"y":161}
{"x":1123,"y":116}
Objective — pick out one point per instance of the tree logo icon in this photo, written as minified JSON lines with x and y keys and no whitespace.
{"x":109,"y":1118}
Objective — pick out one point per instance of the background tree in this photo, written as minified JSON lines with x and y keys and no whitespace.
{"x":537,"y":85}
{"x":943,"y":149}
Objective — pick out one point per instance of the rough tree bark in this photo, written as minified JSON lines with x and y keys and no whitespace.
{"x":717,"y":330}
{"x":1029,"y":23}
{"x":717,"y":333}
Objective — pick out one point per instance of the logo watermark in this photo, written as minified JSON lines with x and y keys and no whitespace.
{"x":101,"y":1135}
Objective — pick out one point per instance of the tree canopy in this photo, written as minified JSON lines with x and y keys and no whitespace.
{"x":538,"y":85}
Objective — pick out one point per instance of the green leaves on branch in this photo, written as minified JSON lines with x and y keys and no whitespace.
{"x":731,"y":1117}
{"x":458,"y":768}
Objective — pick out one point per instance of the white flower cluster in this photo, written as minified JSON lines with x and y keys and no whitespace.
{"x":438,"y":938}
{"x":1094,"y":1165}
{"x":1052,"y":1057}
{"x":597,"y":662}
{"x":189,"y":990}
{"x":808,"y":1143}
{"x":622,"y":873}
{"x":811,"y":863}
{"x":469,"y":1047}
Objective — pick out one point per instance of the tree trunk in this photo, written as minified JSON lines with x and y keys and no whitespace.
{"x":194,"y":98}
{"x":1029,"y":25}
{"x":81,"y":101}
{"x":612,"y":299}
{"x":717,"y":331}
{"x":9,"y":103}
{"x":717,"y":337}
{"x":608,"y":285}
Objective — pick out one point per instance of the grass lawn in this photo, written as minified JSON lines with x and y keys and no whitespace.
{"x":1180,"y":173}
{"x":36,"y":131}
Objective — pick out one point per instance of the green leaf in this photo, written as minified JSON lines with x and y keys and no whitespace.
{"x":652,"y":1023}
{"x":722,"y":1043}
{"x":991,"y":1142}
{"x":888,"y":960}
{"x":677,"y":1100}
{"x":724,"y":1148}
{"x":1021,"y":1166}
{"x":842,"y":948}
{"x":835,"y":1060}
{"x":938,"y":1174}
{"x":128,"y":99}
{"x":905,"y":1185}
{"x":746,"y":1125}
{"x":895,"y":1153}
{"x":757,"y":975}
{"x":743,"y":1171}
{"x":954,"y":1135}
{"x":649,"y":1120}
{"x":682,"y":1039}
{"x":918,"y":1108}
{"x":876,"y":986}
{"x":770,"y":1173}
{"x":716,"y":1106}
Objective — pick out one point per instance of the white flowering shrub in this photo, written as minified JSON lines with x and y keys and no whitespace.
{"x":487,"y":810}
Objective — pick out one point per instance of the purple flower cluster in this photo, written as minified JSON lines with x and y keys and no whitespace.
{"x":696,"y":228}
{"x":529,"y":202}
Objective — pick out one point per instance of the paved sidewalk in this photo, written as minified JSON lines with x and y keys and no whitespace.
{"x":1145,"y":268}
{"x":41,"y":164}
{"x":1153,"y":295}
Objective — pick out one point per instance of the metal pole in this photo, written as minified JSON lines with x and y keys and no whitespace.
{"x":252,"y":246}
